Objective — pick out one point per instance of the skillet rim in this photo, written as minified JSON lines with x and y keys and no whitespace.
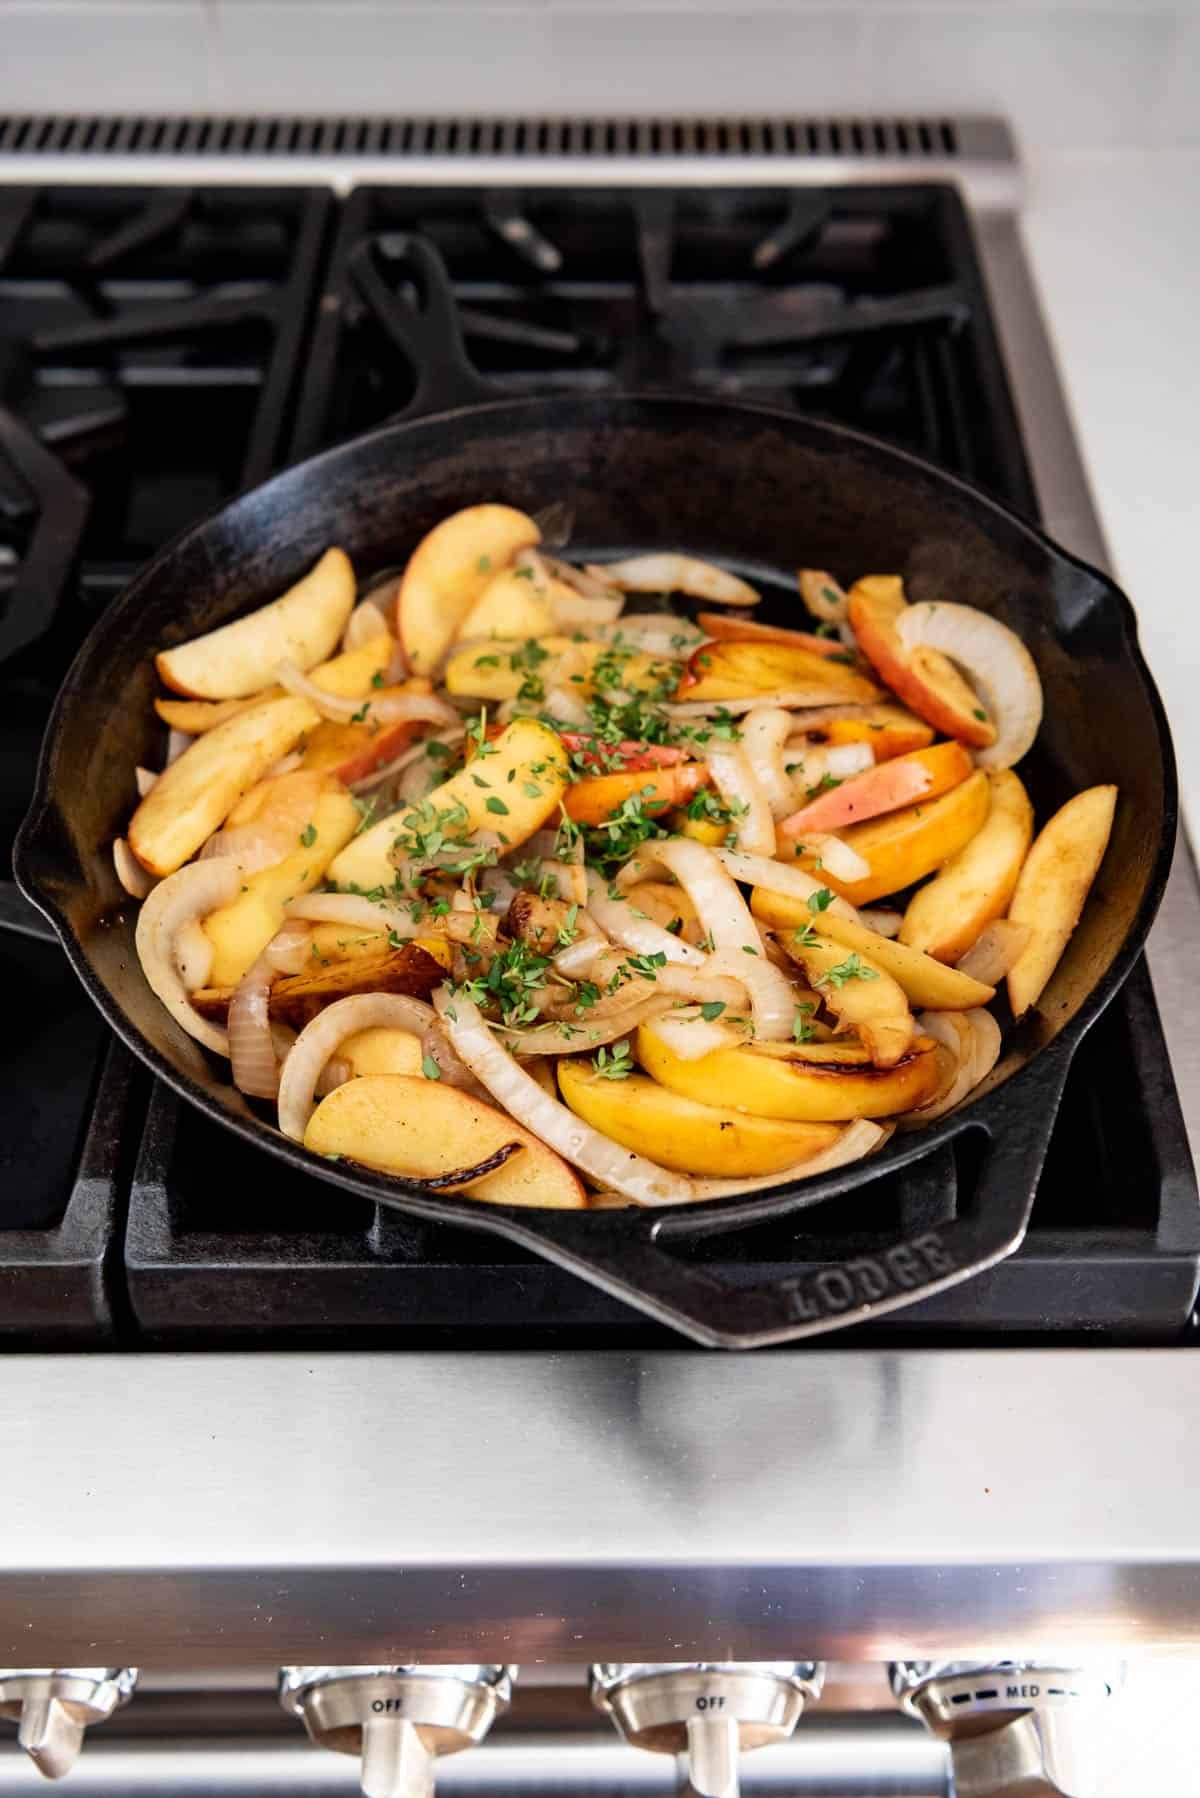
{"x":519,"y":1222}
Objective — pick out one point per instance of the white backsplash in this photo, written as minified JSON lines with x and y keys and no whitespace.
{"x":1066,"y":72}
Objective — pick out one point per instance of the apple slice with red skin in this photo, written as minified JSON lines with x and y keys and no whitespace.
{"x":923,"y":774}
{"x":624,"y":757}
{"x":926,"y":680}
{"x":744,"y":630}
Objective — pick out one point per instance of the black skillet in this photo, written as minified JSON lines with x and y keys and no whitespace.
{"x":757,"y":491}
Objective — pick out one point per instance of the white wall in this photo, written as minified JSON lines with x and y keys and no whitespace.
{"x":1067,"y":72}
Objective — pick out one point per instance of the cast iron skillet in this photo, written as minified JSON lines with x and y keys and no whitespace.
{"x":757,"y":491}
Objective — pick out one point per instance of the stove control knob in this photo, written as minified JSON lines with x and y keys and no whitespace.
{"x":52,"y":1706}
{"x":706,"y":1712}
{"x":1016,"y":1729}
{"x":398,"y":1720}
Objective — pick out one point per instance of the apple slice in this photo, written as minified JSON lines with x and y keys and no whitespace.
{"x":923,"y":774}
{"x":793,"y":1080}
{"x":198,"y":791}
{"x":513,"y":604}
{"x":595,"y":799}
{"x":682,"y":1133}
{"x":448,"y":572}
{"x":623,"y":757}
{"x":351,"y":675}
{"x":352,"y":751}
{"x":923,"y":678}
{"x":241,"y":930}
{"x":741,"y":670}
{"x":512,"y":790}
{"x":1053,"y":886}
{"x":905,"y":846}
{"x":925,"y":982}
{"x":303,"y":626}
{"x":721,"y":628}
{"x":382,"y":1050}
{"x":1000,"y":666}
{"x":890,"y":731}
{"x":858,"y":991}
{"x":418,"y":1129}
{"x":945,"y":916}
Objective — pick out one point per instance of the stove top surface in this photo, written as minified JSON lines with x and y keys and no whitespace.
{"x":162,"y":348}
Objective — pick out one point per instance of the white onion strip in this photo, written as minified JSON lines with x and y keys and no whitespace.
{"x":388,"y":770}
{"x":834,"y":853}
{"x":365,"y":623}
{"x":886,"y":922}
{"x":725,"y":916}
{"x":808,"y":700}
{"x":622,"y":921}
{"x":783,"y":878}
{"x":998,"y":945}
{"x":860,"y":1138}
{"x":194,"y":954}
{"x":527,"y":1102}
{"x":753,"y":821}
{"x":388,"y":708}
{"x":320,"y":1040}
{"x":765,"y":730}
{"x":691,"y":1036}
{"x":674,"y":573}
{"x":191,"y":892}
{"x":135,"y":879}
{"x":353,"y":910}
{"x":589,"y":1034}
{"x":144,"y":779}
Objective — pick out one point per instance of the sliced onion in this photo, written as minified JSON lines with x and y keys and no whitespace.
{"x":177,"y":742}
{"x":690,"y":1036}
{"x":655,"y":633}
{"x":191,"y":892}
{"x":591,"y":586}
{"x":999,"y":666}
{"x":783,"y":878}
{"x":860,"y":1138}
{"x":589,"y":1033}
{"x":987,"y":1043}
{"x":754,"y":825}
{"x":674,"y":573}
{"x":289,"y":949}
{"x":569,"y":878}
{"x":353,"y":910}
{"x":620,"y":919}
{"x":388,"y":708}
{"x":885,"y":922}
{"x":823,"y":596}
{"x":194,"y":954}
{"x":252,"y":846}
{"x":320,"y":1040}
{"x":251,"y":1050}
{"x":953,"y":1031}
{"x":436,"y":1044}
{"x":843,"y":862}
{"x":556,"y":522}
{"x":499,"y":887}
{"x":388,"y":770}
{"x":844,"y":759}
{"x":365,"y":623}
{"x":765,"y":730}
{"x":135,"y":879}
{"x":565,"y":705}
{"x":998,"y":945}
{"x":606,"y":1161}
{"x":577,"y":959}
{"x":726,"y":918}
{"x":144,"y":779}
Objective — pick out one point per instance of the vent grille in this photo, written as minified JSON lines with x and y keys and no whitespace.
{"x":593,"y":139}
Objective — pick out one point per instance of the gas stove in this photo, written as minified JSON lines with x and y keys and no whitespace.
{"x":507,"y":1458}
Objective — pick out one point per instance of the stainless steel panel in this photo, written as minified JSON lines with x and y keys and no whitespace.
{"x":195,"y":1511}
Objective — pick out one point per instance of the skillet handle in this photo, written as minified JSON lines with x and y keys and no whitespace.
{"x":427,"y":334}
{"x":625,"y":1252}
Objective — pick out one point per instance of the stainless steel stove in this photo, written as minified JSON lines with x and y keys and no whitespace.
{"x":508,"y":1461}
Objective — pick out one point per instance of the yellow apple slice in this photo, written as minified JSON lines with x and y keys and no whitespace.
{"x":855,"y":987}
{"x":418,"y":1128}
{"x":1053,"y":885}
{"x":512,"y":790}
{"x":682,"y":1134}
{"x":925,"y":679}
{"x":945,"y":916}
{"x":241,"y":930}
{"x":727,"y":670}
{"x":303,"y":626}
{"x":351,"y":675}
{"x":794,"y":1080}
{"x":198,"y":791}
{"x":515,"y":603}
{"x":926,"y":982}
{"x":903,"y":847}
{"x":381,"y":1049}
{"x":447,"y":573}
